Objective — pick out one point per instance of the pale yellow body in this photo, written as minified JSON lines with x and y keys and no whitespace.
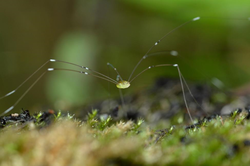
{"x":123,"y":84}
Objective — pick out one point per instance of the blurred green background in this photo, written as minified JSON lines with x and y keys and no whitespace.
{"x":92,"y":33}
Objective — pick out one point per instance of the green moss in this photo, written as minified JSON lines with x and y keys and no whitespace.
{"x":103,"y":141}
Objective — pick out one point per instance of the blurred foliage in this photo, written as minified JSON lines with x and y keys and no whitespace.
{"x":95,"y":32}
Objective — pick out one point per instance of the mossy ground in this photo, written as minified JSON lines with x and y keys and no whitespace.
{"x":160,"y":138}
{"x":68,"y":141}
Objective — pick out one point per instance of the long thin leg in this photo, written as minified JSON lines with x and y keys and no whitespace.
{"x":122,"y":100}
{"x":82,"y":72}
{"x":83,"y":67}
{"x":13,"y":91}
{"x":102,"y":76}
{"x":181,"y":81}
{"x":183,"y":92}
{"x":156,"y":43}
{"x":190,"y":92}
{"x":9,"y":109}
{"x":150,"y":67}
{"x":49,"y":70}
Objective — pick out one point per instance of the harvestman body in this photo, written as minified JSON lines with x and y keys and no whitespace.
{"x":120,"y":83}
